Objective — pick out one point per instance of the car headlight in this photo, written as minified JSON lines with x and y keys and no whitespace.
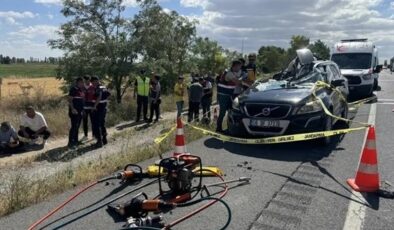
{"x":236,"y":103}
{"x":310,"y":107}
{"x":367,"y":77}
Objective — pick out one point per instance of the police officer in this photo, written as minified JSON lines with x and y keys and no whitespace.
{"x":227,"y":83}
{"x":206,"y":99}
{"x":76,"y":104}
{"x":89,"y":104}
{"x":141,"y":89}
{"x":99,"y":112}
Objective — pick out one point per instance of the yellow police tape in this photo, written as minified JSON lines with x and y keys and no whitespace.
{"x":163,"y":136}
{"x":279,"y":139}
{"x":288,"y":138}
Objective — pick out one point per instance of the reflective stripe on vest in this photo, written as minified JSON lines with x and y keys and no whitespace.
{"x":142,"y":86}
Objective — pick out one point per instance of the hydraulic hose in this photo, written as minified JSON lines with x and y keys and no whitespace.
{"x":61,"y":206}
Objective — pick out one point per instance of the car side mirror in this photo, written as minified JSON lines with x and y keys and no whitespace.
{"x":378,"y":69}
{"x":338,"y":82}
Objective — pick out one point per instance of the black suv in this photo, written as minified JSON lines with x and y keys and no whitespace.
{"x":287,"y":106}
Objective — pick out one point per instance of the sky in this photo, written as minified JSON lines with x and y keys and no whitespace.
{"x":26,"y":25}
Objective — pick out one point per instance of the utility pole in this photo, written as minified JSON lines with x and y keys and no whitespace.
{"x":242,"y":49}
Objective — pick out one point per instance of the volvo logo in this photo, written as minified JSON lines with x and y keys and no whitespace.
{"x":267,"y":111}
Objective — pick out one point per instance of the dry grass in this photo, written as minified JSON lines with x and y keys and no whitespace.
{"x":21,"y":192}
{"x":28,"y":87}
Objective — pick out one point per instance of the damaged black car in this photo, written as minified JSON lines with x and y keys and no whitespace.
{"x":286,"y":104}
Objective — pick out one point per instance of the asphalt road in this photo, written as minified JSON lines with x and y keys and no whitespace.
{"x":294,"y":186}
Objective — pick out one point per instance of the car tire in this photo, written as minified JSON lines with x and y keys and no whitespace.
{"x":345,"y":114}
{"x":328,"y":124}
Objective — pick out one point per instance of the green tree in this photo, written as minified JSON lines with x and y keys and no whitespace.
{"x":163,"y":39}
{"x":271,"y":59}
{"x":97,"y":40}
{"x":207,"y":56}
{"x":321,"y":50}
{"x":296,"y":42}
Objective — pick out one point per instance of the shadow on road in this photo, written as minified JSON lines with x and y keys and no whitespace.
{"x":64,"y":154}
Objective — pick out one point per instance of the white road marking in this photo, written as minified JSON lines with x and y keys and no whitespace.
{"x":357,"y":210}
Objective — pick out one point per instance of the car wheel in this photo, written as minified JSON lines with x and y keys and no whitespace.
{"x":327,"y":126}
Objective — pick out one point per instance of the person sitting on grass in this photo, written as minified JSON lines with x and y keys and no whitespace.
{"x":33,"y":125}
{"x":9,"y":141}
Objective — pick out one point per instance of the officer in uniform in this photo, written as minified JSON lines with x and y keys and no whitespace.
{"x":227,"y":83}
{"x":76,"y":106}
{"x":99,"y":112}
{"x":141,"y":89}
{"x":206,"y":99}
{"x":90,"y":92}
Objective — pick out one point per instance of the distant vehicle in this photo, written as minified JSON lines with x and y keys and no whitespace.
{"x":359,"y":63}
{"x":286,"y":105}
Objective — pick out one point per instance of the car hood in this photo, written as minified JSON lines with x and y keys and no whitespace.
{"x":276,"y":92}
{"x":355,"y":72}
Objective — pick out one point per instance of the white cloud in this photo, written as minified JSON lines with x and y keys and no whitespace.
{"x":18,"y":15}
{"x":273,"y":22}
{"x":11,"y":17}
{"x":130,"y":3}
{"x":26,"y":48}
{"x":194,"y":3}
{"x":49,"y":2}
{"x":43,"y":32}
{"x":50,"y":16}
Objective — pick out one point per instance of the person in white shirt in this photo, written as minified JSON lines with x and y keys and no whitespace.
{"x":33,"y":125}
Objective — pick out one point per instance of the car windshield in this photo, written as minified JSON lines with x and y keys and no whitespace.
{"x":309,"y":78}
{"x":353,"y":60}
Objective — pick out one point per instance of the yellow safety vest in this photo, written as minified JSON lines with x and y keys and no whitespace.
{"x":143,"y":86}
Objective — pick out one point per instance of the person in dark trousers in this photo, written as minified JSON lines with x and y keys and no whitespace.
{"x":9,"y":141}
{"x":225,"y":91}
{"x":141,"y":90}
{"x":179,"y":93}
{"x":155,"y":93}
{"x":33,"y":125}
{"x":195,"y":95}
{"x":206,"y":100}
{"x":101,"y":111}
{"x":89,"y":92}
{"x":98,"y":114}
{"x":76,"y":103}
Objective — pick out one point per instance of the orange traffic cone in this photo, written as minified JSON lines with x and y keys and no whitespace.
{"x":180,"y":148}
{"x":215,"y":114}
{"x":367,"y":175}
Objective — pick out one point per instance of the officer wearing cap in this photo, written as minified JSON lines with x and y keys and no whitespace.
{"x":99,"y":112}
{"x":227,"y":83}
{"x":76,"y":103}
{"x":250,"y":69}
{"x":141,"y":90}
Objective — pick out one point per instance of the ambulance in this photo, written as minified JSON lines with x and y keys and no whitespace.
{"x":359,"y":63}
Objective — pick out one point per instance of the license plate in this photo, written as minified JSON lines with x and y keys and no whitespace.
{"x":264,"y":123}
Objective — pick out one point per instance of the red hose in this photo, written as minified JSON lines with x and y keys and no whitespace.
{"x":61,"y":206}
{"x":189,"y":215}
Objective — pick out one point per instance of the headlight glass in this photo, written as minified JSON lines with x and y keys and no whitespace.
{"x":367,"y":77}
{"x":236,"y":103}
{"x":310,"y":107}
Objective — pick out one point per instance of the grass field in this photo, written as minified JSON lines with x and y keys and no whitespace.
{"x":28,"y":70}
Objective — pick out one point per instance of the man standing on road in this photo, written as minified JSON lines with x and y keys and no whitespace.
{"x":225,"y":88}
{"x":141,"y":89}
{"x":179,"y":91}
{"x":33,"y":125}
{"x":89,"y":92}
{"x":195,"y":95}
{"x":206,"y":99}
{"x":155,"y":92}
{"x":76,"y":101}
{"x":9,"y":141}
